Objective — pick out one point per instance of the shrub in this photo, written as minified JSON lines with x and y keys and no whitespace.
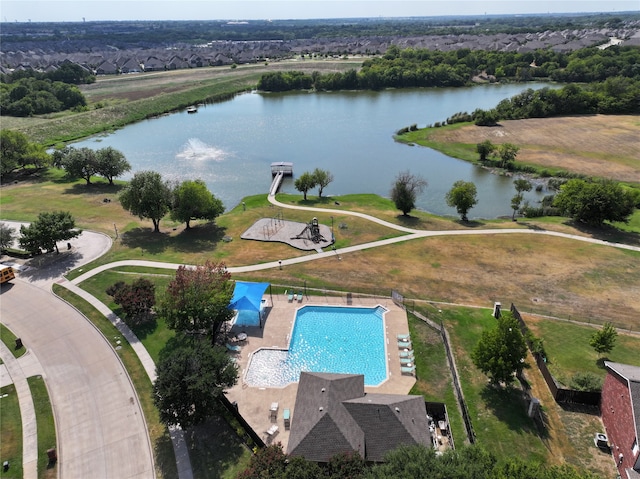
{"x":536,"y":344}
{"x":136,"y":299}
{"x":586,"y":382}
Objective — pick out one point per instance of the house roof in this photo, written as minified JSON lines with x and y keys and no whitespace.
{"x":333,"y":415}
{"x":322,"y":426}
{"x":632,"y":375}
{"x":389,"y":420}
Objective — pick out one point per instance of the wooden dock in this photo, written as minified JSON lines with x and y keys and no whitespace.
{"x":279,"y":170}
{"x":284,"y":167}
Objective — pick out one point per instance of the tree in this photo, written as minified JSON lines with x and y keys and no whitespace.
{"x":304,"y":183}
{"x":111,"y":163}
{"x":501,"y":351}
{"x":136,"y":299}
{"x":406,"y":189}
{"x":77,"y":162}
{"x":197,"y":299}
{"x":269,"y":461}
{"x":485,"y":149}
{"x":321,"y":179}
{"x":521,"y":186}
{"x":594,"y":203}
{"x":192,"y":375}
{"x":45,"y":232}
{"x":508,"y":153}
{"x":192,"y":201}
{"x":147,"y":196}
{"x":7,"y":237}
{"x":603,"y":340}
{"x":462,"y":197}
{"x":16,"y":151}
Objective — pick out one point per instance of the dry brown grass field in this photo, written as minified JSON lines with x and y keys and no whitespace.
{"x":547,"y":275}
{"x":606,"y":146}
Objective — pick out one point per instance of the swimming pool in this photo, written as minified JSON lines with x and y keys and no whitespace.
{"x":332,"y":339}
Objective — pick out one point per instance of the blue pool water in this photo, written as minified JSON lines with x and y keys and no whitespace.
{"x":329,"y":339}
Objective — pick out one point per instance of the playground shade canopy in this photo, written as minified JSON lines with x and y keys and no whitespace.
{"x":247,"y":297}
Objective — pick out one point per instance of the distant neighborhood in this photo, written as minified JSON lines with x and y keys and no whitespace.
{"x":103,"y":59}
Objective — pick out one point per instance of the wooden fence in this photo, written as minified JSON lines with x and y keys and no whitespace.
{"x":560,"y":394}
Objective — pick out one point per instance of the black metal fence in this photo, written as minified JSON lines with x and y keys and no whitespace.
{"x":233,"y":410}
{"x":464,"y":411}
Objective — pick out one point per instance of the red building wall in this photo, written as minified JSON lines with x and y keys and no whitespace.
{"x":617,"y":416}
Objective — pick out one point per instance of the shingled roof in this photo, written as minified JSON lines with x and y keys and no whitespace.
{"x":334,"y":415}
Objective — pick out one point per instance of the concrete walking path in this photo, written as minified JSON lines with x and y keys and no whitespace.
{"x":180,"y":448}
{"x":27,"y":413}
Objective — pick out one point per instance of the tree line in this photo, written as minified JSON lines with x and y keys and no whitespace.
{"x":30,"y":96}
{"x":416,"y":462}
{"x":408,"y":68}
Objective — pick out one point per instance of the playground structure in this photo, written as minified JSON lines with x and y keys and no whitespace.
{"x":305,"y":236}
{"x":311,"y":231}
{"x":274,"y":225}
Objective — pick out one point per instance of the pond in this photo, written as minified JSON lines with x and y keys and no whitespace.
{"x":231,"y":145}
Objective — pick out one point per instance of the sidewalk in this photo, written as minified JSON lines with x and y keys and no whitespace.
{"x":180,"y":448}
{"x":18,"y":375}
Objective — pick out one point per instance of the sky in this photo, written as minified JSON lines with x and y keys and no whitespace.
{"x":92,"y":10}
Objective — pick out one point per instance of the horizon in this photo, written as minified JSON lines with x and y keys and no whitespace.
{"x":72,"y":11}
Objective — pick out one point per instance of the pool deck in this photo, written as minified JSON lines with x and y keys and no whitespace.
{"x":254,"y":402}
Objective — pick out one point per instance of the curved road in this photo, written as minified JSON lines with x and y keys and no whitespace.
{"x":101,"y":430}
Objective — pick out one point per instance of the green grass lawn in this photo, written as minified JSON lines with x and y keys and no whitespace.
{"x":433,"y":375}
{"x":498,"y":415}
{"x":153,"y":336}
{"x":8,"y":338}
{"x":45,"y":425}
{"x":10,"y":432}
{"x":568,"y":350}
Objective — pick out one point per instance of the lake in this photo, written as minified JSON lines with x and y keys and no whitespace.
{"x":231,"y":145}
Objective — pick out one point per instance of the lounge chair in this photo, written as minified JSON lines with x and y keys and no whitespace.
{"x":406,"y":361}
{"x":408,"y":369}
{"x":233,"y":348}
{"x":290,"y":296}
{"x":403,"y":337}
{"x":406,"y":354}
{"x":286,"y":415}
{"x":299,"y":297}
{"x":404,"y":344}
{"x":272,"y":430}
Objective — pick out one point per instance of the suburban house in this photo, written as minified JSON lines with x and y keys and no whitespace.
{"x":106,"y":68}
{"x":132,"y":65}
{"x":620,"y":408}
{"x":333,"y":415}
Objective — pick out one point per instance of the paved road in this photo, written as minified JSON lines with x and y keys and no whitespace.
{"x":100,"y":426}
{"x":101,"y":431}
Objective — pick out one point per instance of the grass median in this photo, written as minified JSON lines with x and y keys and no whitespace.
{"x":11,"y":432}
{"x":45,"y":426}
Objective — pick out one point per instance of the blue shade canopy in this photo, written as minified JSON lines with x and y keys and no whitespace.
{"x":247,"y":296}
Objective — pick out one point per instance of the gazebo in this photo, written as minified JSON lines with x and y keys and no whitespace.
{"x":247,"y":301}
